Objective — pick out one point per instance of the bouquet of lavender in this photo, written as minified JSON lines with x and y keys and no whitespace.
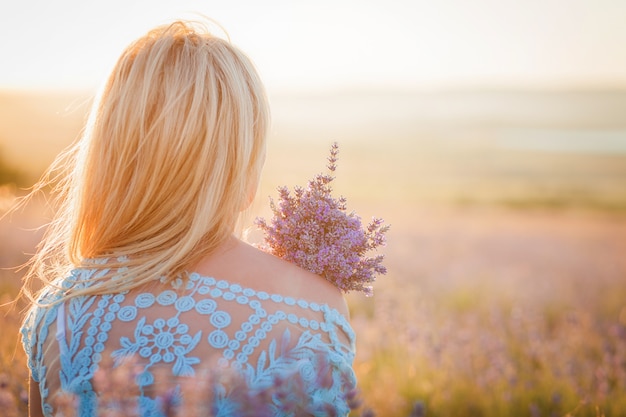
{"x":315,"y":231}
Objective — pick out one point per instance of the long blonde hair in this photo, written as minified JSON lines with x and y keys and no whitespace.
{"x":170,"y":156}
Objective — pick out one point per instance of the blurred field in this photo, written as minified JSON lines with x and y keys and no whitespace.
{"x":506,"y":291}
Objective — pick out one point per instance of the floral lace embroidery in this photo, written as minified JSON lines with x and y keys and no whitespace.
{"x":167,"y":340}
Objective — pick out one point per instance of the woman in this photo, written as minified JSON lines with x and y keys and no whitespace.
{"x":141,"y":266}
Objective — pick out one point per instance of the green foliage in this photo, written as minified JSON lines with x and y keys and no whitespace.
{"x":503,"y":315}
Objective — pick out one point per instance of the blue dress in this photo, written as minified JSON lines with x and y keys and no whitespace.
{"x":263,"y":354}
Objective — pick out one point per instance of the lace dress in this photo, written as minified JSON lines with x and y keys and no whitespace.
{"x":290,"y":356}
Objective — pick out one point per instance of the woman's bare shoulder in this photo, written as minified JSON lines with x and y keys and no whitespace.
{"x":254,"y":268}
{"x":295,"y":281}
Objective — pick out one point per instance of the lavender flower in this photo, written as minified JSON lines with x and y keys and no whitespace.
{"x":7,"y":400}
{"x":315,"y":231}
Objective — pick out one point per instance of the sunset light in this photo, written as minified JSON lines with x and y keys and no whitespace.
{"x":336,"y":45}
{"x":481,"y":142}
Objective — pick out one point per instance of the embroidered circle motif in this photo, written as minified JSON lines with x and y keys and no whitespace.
{"x":182,"y":329}
{"x":307,"y":371}
{"x":147,"y":329}
{"x":218,"y":339}
{"x":220,"y":319}
{"x":206,"y":306}
{"x":185,"y":303}
{"x":167,"y":297}
{"x":145,"y":378}
{"x":163,"y":340}
{"x":127,"y":313}
{"x":144,"y":300}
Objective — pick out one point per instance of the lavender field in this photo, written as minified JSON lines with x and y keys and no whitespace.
{"x":506,"y":290}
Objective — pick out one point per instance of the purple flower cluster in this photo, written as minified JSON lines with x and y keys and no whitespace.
{"x":315,"y":231}
{"x":215,"y":391}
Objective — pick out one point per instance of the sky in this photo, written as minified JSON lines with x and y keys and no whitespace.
{"x":302,"y":45}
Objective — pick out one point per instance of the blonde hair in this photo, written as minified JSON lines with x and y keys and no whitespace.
{"x":171,"y":155}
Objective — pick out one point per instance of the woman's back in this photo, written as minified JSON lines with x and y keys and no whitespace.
{"x":241,"y":313}
{"x":149,"y":201}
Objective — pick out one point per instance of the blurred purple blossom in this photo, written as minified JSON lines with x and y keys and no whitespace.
{"x":314,"y":230}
